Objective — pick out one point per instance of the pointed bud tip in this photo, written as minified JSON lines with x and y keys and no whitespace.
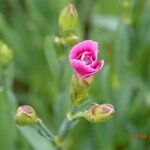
{"x":71,"y":8}
{"x":108,"y":108}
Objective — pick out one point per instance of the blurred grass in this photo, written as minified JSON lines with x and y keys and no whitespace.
{"x":28,"y":27}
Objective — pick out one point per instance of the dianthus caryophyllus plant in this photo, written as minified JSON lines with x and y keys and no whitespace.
{"x":83,"y":59}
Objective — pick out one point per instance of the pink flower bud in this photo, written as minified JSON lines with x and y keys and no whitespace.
{"x":99,"y":113}
{"x":83,"y":58}
{"x":25,"y":115}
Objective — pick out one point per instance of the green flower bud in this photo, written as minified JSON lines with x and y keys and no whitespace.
{"x":68,"y":20}
{"x":5,"y":54}
{"x":99,"y":113}
{"x":80,"y":88}
{"x":25,"y":115}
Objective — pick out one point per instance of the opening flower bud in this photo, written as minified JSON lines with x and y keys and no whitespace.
{"x":83,"y":60}
{"x":99,"y":113}
{"x":25,"y":115}
{"x":68,"y":19}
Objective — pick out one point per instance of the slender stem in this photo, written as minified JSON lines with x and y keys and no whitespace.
{"x":64,"y":129}
{"x":76,"y":115}
{"x":67,"y":124}
{"x":45,"y":129}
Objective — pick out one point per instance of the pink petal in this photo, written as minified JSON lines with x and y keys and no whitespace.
{"x":88,"y":45}
{"x":85,"y":70}
{"x":81,"y":68}
{"x":89,"y":54}
{"x":97,"y":67}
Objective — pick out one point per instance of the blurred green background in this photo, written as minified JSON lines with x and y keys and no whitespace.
{"x":122,"y":28}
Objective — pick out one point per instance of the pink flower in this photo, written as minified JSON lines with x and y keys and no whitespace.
{"x":83,"y":58}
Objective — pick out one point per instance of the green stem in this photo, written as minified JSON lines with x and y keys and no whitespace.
{"x":45,"y":130}
{"x":66,"y":126}
{"x":76,"y":115}
{"x":69,"y":122}
{"x":64,"y":129}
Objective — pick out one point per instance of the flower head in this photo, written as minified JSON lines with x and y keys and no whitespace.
{"x":83,"y":58}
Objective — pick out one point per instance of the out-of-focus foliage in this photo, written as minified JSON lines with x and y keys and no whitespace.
{"x":36,"y":76}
